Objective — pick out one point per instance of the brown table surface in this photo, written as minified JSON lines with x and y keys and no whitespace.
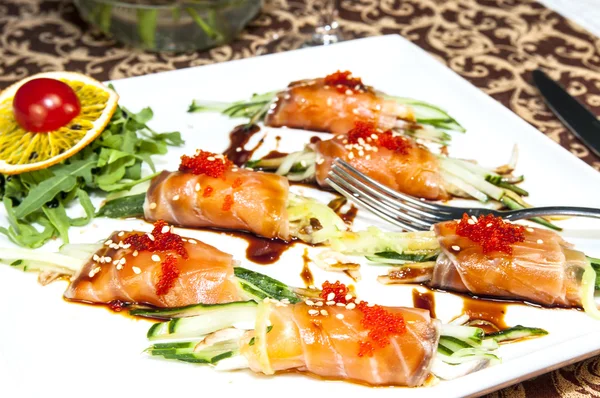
{"x":495,"y":44}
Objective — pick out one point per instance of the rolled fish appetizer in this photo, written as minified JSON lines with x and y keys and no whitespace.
{"x":491,"y":257}
{"x":158,"y":269}
{"x":335,"y":336}
{"x":334,"y":103}
{"x":404,"y":165}
{"x":209,"y":191}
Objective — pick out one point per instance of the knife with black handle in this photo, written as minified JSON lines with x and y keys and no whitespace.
{"x":572,"y":113}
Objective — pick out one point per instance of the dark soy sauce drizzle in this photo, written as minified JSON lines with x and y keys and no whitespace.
{"x":487,"y":310}
{"x":262,"y":250}
{"x":306,"y":275}
{"x":424,"y":300}
{"x":275,"y":154}
{"x":238,"y":138}
{"x":349,"y":215}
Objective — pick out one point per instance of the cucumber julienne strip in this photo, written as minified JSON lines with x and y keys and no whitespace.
{"x":272,"y":288}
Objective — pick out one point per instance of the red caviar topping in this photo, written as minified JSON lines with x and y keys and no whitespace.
{"x":344,"y":81}
{"x":236,"y":183}
{"x":207,"y":163}
{"x":227,"y":203}
{"x":169,"y":275}
{"x":491,"y":233}
{"x":207,"y":191}
{"x":381,"y":325}
{"x":157,"y":240}
{"x":366,"y":133}
{"x":339,"y":290}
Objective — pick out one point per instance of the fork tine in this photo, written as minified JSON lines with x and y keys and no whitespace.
{"x":348,"y":194}
{"x":423,"y":214}
{"x":375,"y":202}
{"x":390,"y":192}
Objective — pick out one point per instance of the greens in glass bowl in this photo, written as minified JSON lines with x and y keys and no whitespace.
{"x":170,"y":25}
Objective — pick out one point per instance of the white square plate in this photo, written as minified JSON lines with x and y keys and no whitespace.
{"x":49,"y":346}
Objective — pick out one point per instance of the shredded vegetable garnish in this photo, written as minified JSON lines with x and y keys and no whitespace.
{"x":492,"y":233}
{"x":207,"y":163}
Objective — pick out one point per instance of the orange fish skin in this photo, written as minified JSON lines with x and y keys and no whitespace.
{"x":543,"y":269}
{"x":258,"y":204}
{"x":328,"y":346}
{"x":206,"y":277}
{"x":313,"y":105}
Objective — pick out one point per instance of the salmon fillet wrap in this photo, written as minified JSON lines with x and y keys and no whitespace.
{"x":333,"y":104}
{"x":395,"y":161}
{"x":159,"y":269}
{"x":344,"y":342}
{"x":529,"y":264}
{"x":208,"y":191}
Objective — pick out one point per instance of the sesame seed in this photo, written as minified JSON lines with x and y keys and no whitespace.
{"x":121,"y":233}
{"x":345,"y":142}
{"x":119,"y":267}
{"x":348,"y":297}
{"x":236,"y":169}
{"x":331,"y":302}
{"x":116,"y":262}
{"x":155,"y":257}
{"x":210,"y":158}
{"x":319,"y":303}
{"x":361,"y":141}
{"x":361,"y":153}
{"x":339,"y":316}
{"x":540,"y":241}
{"x":348,"y":92}
{"x":107,"y":259}
{"x":238,"y":149}
{"x":150,"y":236}
{"x":122,"y":261}
{"x":164,"y":229}
{"x":471,"y":222}
{"x":358,"y":301}
{"x":350,"y":306}
{"x":197,"y":188}
{"x":370,"y":305}
{"x":368,"y":157}
{"x":324,"y":312}
{"x":341,"y":304}
{"x":348,"y":147}
{"x":529,"y":229}
{"x":113,"y":246}
{"x":489,"y":225}
{"x":320,"y":161}
{"x":136,"y":270}
{"x":127,"y":246}
{"x":310,"y":302}
{"x":312,"y":287}
{"x":94,"y":272}
{"x":192,"y":241}
{"x":176,"y":197}
{"x":340,"y":136}
{"x":330,"y":296}
{"x":135,"y":253}
{"x":152,"y":205}
{"x":108,"y":242}
{"x":351,"y":155}
{"x":456,"y":248}
{"x":374,"y":136}
{"x":474,"y":218}
{"x":313,"y":312}
{"x":95,"y":257}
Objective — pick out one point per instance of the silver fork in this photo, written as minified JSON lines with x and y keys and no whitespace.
{"x":415,"y":214}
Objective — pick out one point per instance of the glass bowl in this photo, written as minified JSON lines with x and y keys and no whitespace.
{"x":170,"y":25}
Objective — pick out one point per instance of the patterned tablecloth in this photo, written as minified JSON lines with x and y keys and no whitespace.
{"x":495,"y":44}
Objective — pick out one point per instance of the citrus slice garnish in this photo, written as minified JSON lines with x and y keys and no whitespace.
{"x":22,"y":150}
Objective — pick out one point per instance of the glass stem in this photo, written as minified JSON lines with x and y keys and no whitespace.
{"x":327,"y":30}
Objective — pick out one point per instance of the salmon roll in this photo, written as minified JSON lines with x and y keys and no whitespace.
{"x":209,"y":191}
{"x":160,"y":269}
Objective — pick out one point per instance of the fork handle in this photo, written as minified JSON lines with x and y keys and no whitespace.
{"x":550,"y":211}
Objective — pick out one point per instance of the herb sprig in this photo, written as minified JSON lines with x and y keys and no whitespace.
{"x":112,"y":162}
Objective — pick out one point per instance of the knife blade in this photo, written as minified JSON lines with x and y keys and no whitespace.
{"x":572,"y":113}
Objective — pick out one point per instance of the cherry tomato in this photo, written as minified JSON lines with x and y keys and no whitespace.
{"x":43,"y":105}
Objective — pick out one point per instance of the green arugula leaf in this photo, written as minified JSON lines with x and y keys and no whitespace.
{"x":59,"y":219}
{"x":88,"y":207}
